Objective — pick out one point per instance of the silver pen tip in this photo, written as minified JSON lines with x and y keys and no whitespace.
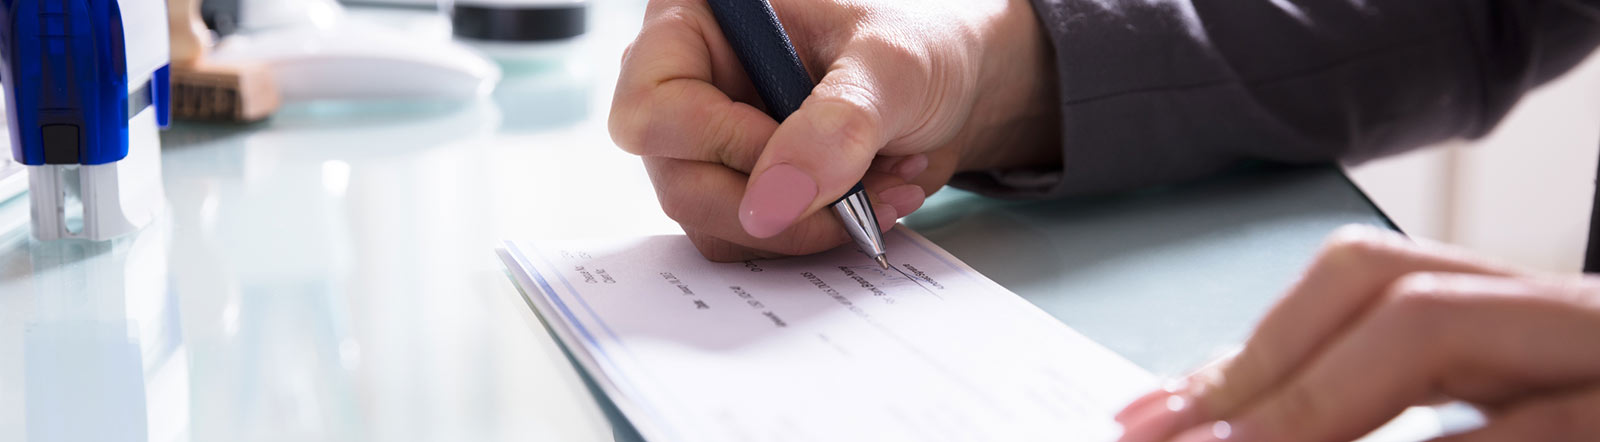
{"x":882,"y":262}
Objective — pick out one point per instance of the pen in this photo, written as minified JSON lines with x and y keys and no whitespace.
{"x":752,"y":28}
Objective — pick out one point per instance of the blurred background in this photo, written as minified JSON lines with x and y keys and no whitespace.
{"x":1522,"y":193}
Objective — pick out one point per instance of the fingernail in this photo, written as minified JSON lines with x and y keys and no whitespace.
{"x":887,"y":216}
{"x":1152,"y":401}
{"x":775,"y":200}
{"x":1161,"y":419}
{"x":1142,"y":406}
{"x":905,"y":198}
{"x":909,"y":168}
{"x":1216,"y":431}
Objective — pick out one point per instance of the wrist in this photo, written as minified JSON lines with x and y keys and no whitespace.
{"x":1016,"y":119}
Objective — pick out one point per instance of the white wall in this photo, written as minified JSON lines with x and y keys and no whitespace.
{"x":1522,"y":193}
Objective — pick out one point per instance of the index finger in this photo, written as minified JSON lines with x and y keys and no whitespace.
{"x":1345,"y":280}
{"x":1429,"y":336}
{"x":679,"y":90}
{"x":1348,"y":277}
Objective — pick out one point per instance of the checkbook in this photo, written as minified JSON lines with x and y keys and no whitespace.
{"x":827,"y":347}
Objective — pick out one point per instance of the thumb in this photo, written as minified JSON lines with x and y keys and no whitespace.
{"x":817,"y":154}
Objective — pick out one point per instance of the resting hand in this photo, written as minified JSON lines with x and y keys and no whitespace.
{"x":1380,"y":323}
{"x":909,"y":92}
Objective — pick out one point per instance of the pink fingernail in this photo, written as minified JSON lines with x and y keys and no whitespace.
{"x":887,"y":216}
{"x":775,"y":199}
{"x":1161,"y":419}
{"x":1216,"y":431}
{"x":909,"y":168}
{"x":1142,"y":406}
{"x":1152,"y":401}
{"x":905,"y":198}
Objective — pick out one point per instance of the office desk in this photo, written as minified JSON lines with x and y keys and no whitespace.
{"x":328,"y":275}
{"x":1169,"y":278}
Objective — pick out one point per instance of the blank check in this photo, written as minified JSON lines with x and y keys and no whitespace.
{"x":828,"y":347}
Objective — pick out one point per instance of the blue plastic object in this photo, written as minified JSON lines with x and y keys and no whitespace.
{"x":68,"y":81}
{"x":161,"y":93}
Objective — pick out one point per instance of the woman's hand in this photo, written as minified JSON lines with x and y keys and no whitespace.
{"x":1380,"y":323}
{"x":909,"y":92}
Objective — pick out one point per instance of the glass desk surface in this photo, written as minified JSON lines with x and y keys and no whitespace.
{"x":329,"y":275}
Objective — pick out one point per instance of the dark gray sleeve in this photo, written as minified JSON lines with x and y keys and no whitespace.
{"x":1157,"y":91}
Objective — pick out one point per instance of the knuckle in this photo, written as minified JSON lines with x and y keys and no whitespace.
{"x":641,"y":92}
{"x":639,"y":116}
{"x":850,"y":115}
{"x":623,"y":60}
{"x":677,"y":197}
{"x":894,"y":50}
{"x":669,"y":205}
{"x":651,"y":122}
{"x":1359,"y":241}
{"x":721,"y":134}
{"x":679,"y":210}
{"x":1358,"y":245}
{"x":671,"y":13}
{"x":626,"y":125}
{"x":1418,"y":295}
{"x":1419,"y":307}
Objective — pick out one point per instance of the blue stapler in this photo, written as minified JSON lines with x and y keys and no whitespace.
{"x":86,"y":90}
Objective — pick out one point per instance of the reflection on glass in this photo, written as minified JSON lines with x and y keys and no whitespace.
{"x":102,"y":356}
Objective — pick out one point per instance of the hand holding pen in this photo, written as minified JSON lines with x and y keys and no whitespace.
{"x":897,"y":114}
